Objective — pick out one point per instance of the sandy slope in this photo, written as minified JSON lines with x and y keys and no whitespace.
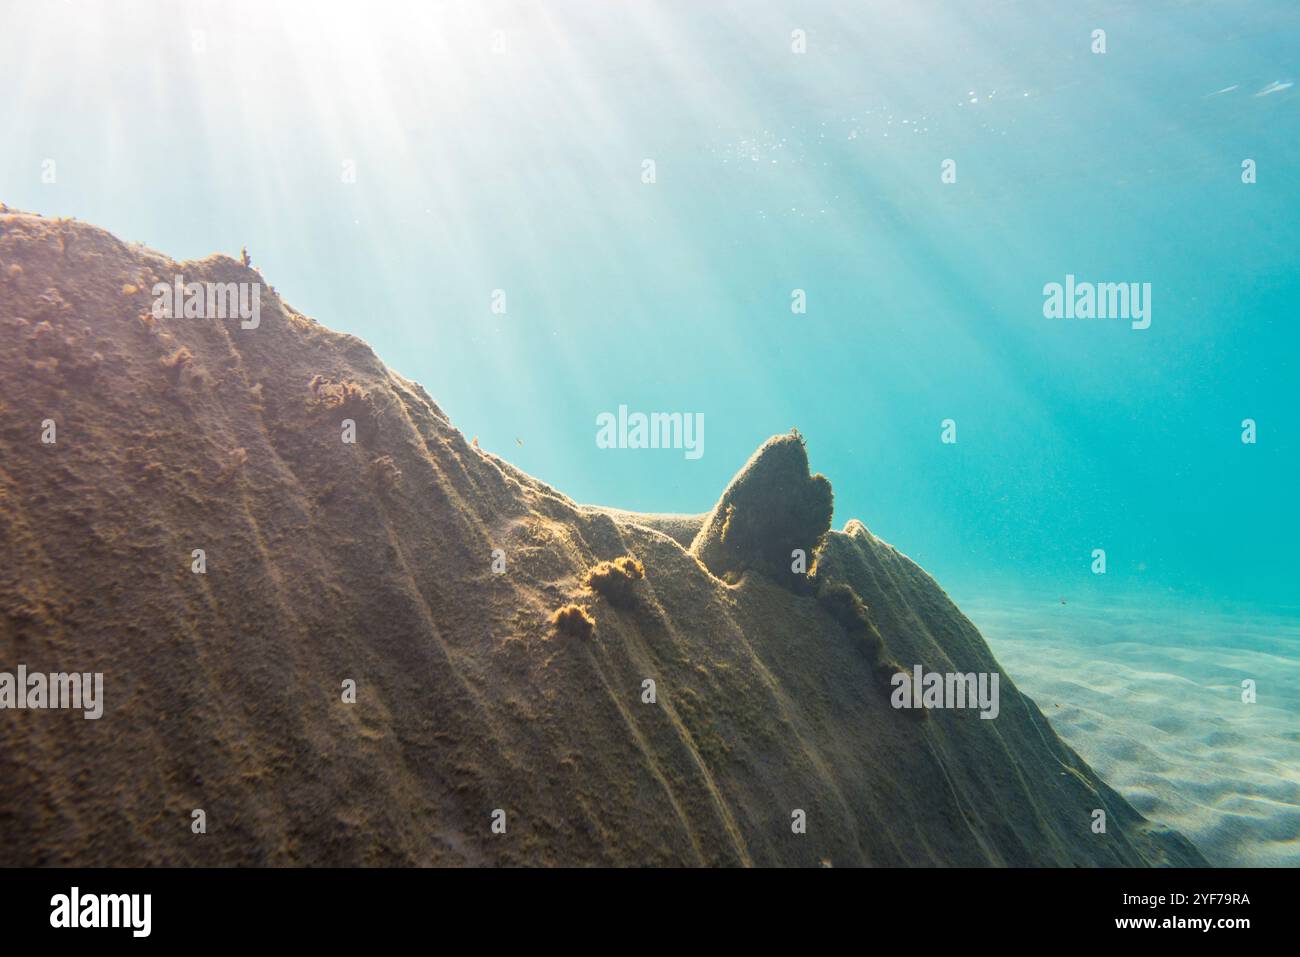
{"x":372,"y":561}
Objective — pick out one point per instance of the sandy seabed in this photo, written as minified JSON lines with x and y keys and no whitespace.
{"x":1152,"y":699}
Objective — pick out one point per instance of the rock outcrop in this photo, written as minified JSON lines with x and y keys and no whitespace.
{"x":424,"y":572}
{"x":771,"y":518}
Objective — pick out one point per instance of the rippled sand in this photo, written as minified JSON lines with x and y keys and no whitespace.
{"x":1151,"y":698}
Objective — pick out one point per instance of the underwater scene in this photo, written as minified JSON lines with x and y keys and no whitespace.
{"x":572,"y":434}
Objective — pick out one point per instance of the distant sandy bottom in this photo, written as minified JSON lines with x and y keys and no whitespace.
{"x":1152,"y":700}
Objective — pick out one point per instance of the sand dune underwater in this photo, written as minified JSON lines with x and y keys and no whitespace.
{"x":499,"y":636}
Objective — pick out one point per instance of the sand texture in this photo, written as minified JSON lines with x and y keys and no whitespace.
{"x":1152,"y":697}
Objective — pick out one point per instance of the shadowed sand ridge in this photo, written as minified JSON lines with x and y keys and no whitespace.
{"x":373,"y":562}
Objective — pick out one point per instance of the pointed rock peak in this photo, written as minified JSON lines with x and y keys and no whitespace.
{"x":772,"y":511}
{"x":855,"y":529}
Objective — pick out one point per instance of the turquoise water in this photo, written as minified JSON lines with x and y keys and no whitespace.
{"x":514,"y":161}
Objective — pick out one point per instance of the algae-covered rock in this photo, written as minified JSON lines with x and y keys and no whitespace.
{"x":469,"y":698}
{"x":616,"y":580}
{"x":771,"y":509}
